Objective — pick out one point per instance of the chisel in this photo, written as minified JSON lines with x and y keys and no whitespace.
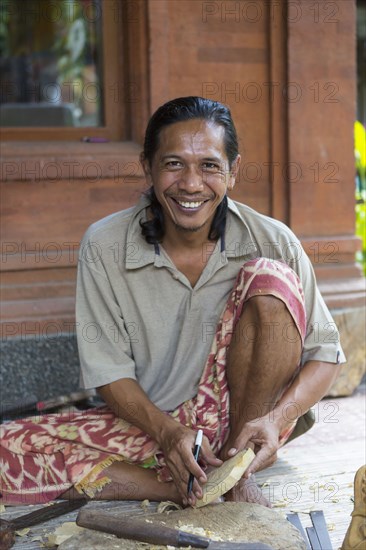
{"x":138,"y":529}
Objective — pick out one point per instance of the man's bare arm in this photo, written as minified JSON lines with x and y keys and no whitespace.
{"x":129,"y":401}
{"x":309,"y":386}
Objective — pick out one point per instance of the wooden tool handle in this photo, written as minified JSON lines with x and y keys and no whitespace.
{"x":46,"y":513}
{"x":18,"y":407}
{"x":7,"y":535}
{"x":138,"y":530}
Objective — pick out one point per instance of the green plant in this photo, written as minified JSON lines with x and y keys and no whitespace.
{"x":360,"y":165}
{"x":361,"y":226}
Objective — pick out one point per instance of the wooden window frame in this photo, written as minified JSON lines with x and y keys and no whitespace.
{"x":125,"y":81}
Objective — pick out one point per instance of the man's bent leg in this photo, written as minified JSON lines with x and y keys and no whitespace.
{"x":131,"y":482}
{"x":262,"y":359}
{"x":263,"y":356}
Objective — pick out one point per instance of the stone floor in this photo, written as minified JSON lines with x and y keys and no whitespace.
{"x":314,"y":472}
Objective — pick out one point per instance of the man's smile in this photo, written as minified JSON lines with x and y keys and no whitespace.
{"x":189,"y":204}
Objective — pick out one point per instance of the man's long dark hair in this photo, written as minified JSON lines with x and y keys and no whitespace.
{"x":180,"y":110}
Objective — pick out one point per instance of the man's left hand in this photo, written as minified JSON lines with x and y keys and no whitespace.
{"x":262,"y":435}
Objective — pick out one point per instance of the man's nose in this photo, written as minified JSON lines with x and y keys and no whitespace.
{"x":191,"y":180}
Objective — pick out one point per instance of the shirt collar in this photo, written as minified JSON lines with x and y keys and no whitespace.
{"x":239,"y":241}
{"x":144,"y":252}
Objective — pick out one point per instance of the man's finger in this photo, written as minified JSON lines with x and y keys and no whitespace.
{"x":208,"y":455}
{"x":181,"y":471}
{"x":195,"y":469}
{"x":240,"y":443}
{"x":260,"y":460}
{"x":197,"y":489}
{"x":195,"y":493}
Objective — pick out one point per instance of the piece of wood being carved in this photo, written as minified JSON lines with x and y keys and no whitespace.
{"x":222,"y":479}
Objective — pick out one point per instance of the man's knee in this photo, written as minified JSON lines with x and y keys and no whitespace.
{"x":273,"y":323}
{"x":275,"y":294}
{"x":266,"y":306}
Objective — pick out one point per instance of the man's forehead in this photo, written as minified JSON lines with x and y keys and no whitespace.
{"x":196,"y":135}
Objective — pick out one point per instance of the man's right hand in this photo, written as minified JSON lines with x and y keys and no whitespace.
{"x":177,"y":443}
{"x":175,"y":440}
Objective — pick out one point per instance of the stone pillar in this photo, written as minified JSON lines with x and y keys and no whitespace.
{"x":321,"y":113}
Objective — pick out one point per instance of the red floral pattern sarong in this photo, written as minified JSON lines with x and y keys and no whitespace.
{"x":41,"y":457}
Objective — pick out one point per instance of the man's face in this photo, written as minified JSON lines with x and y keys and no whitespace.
{"x":190,"y":173}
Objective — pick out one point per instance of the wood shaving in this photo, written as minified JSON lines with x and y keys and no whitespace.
{"x":189,"y":528}
{"x":168,"y":506}
{"x":145,"y":504}
{"x":62,"y":533}
{"x":22,"y":532}
{"x":2,"y":508}
{"x":280,"y":504}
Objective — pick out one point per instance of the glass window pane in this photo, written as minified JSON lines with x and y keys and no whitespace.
{"x":51,"y":63}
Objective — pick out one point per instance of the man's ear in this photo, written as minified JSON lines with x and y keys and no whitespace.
{"x":234,"y":170}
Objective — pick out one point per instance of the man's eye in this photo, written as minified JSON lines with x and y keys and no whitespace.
{"x":211,"y":166}
{"x":174,"y":164}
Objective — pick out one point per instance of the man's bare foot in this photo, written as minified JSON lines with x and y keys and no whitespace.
{"x":247,"y":490}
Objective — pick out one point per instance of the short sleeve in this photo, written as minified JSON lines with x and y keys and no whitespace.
{"x":103,"y":341}
{"x":322,"y":341}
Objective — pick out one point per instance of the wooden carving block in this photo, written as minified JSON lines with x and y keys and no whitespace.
{"x":222,"y":479}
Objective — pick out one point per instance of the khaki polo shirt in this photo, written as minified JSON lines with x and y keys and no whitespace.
{"x":139,"y":317}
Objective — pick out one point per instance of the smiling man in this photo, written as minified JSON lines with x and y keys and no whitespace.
{"x":195,"y":328}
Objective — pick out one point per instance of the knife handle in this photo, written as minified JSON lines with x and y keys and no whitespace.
{"x":47,"y":512}
{"x":138,"y":530}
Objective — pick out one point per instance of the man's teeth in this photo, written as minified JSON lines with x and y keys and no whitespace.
{"x":190,"y":204}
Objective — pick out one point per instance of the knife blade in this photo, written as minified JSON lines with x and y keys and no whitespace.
{"x":238,"y":546}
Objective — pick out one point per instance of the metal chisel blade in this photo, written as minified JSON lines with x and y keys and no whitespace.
{"x":238,"y":546}
{"x":314,"y":541}
{"x":295,"y":521}
{"x":320,"y":526}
